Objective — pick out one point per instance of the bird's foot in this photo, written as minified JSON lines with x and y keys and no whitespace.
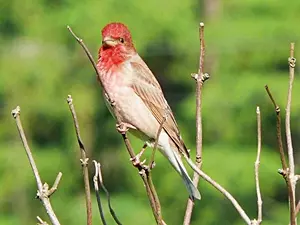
{"x":124,"y":127}
{"x":136,"y":161}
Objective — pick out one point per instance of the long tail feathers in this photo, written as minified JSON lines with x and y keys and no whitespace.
{"x":193,"y":191}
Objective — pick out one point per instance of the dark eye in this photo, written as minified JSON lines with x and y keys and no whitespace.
{"x":122,"y":40}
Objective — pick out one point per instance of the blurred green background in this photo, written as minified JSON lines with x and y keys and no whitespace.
{"x":247,"y":46}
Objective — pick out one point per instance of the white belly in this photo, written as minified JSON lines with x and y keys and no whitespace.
{"x":133,"y":111}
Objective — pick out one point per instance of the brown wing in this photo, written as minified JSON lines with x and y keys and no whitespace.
{"x":148,"y":89}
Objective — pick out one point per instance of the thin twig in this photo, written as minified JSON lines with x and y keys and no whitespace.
{"x":84,"y":162}
{"x":55,"y":185}
{"x":207,"y":178}
{"x":292,"y":64}
{"x":200,"y":78}
{"x":284,"y":170}
{"x":43,"y":190}
{"x":256,"y":165}
{"x":112,"y":212}
{"x":297,"y":209}
{"x":151,"y":192}
{"x":150,"y":189}
{"x":40,"y":221}
{"x":87,"y":52}
{"x":155,"y":196}
{"x":291,"y":172}
{"x":278,"y":129}
{"x":157,"y":138}
{"x":95,"y":179}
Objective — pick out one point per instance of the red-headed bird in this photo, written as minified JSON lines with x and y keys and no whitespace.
{"x":139,"y":99}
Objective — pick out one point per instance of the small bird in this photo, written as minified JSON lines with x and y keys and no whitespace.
{"x":139,"y":99}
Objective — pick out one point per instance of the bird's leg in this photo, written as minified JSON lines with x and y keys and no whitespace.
{"x":136,"y":160}
{"x":122,"y":128}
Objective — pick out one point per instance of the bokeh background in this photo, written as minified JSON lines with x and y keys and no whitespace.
{"x":247,"y":46}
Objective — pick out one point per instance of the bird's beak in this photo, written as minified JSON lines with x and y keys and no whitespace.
{"x":109,"y":42}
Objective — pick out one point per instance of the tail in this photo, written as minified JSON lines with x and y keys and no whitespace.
{"x":193,"y":191}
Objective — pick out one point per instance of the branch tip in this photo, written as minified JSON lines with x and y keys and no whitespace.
{"x":69,"y":99}
{"x":55,"y":184}
{"x":74,"y":35}
{"x":257,"y":110}
{"x":16,"y":112}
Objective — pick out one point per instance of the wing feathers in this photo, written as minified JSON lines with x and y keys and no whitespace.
{"x":148,"y":89}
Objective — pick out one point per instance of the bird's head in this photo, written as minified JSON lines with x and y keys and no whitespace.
{"x":116,"y":35}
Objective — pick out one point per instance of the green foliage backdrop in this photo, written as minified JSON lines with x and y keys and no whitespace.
{"x":40,"y":64}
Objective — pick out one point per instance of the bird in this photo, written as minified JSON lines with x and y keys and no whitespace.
{"x":138,"y":98}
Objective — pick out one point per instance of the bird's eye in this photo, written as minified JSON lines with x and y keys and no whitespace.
{"x":122,"y":40}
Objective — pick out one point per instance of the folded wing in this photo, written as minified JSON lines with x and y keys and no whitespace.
{"x":148,"y":89}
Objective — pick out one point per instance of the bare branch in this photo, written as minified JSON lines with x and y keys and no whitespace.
{"x":144,"y":173}
{"x":207,"y":178}
{"x":291,"y":172}
{"x":95,"y":179}
{"x":278,"y":129}
{"x":84,"y":162}
{"x":43,"y":190}
{"x":200,"y":78}
{"x":257,"y":163}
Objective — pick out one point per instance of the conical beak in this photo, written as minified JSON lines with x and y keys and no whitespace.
{"x":109,"y":42}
